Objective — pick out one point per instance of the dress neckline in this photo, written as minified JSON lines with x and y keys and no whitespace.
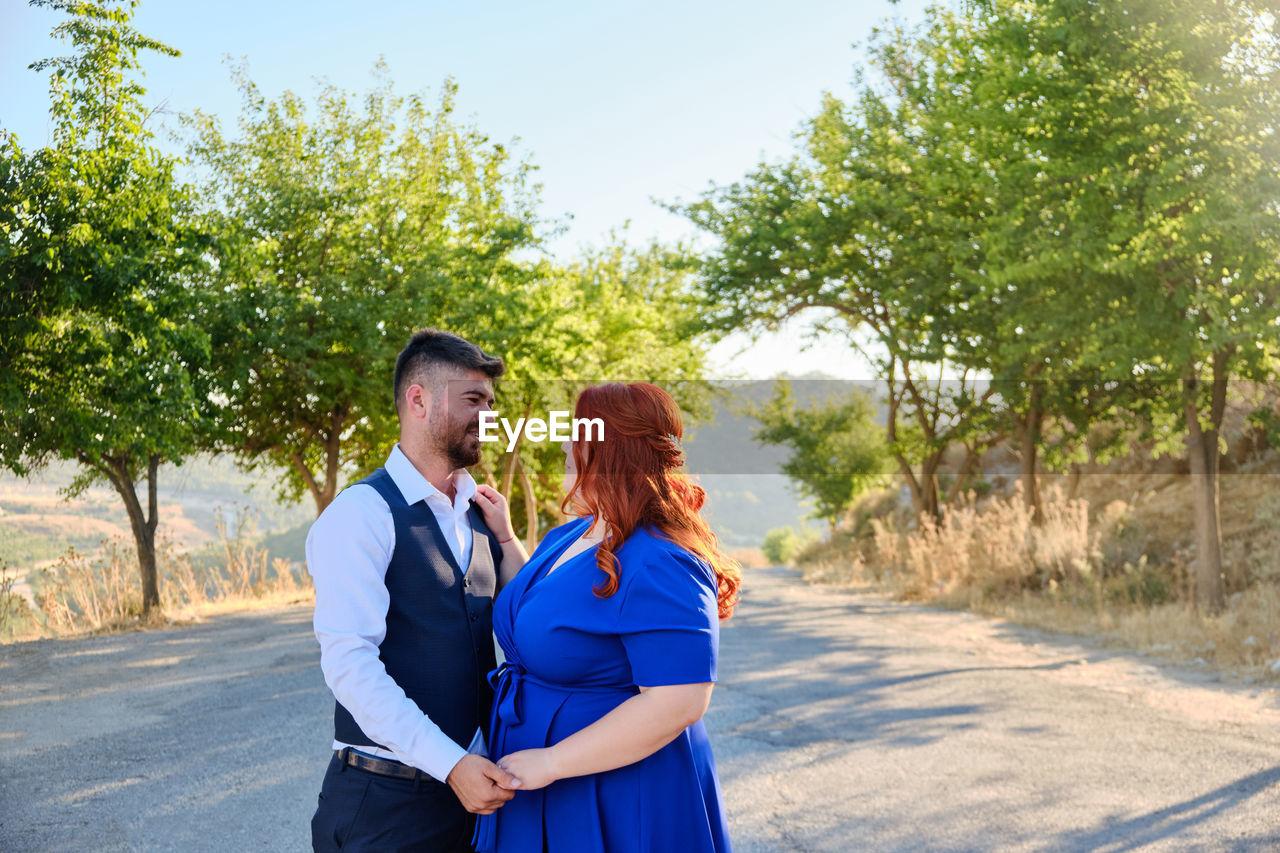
{"x":550,"y":563}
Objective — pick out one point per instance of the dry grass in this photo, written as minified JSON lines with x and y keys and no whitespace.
{"x":1244,"y":638}
{"x":1112,"y":561}
{"x":102,"y":592}
{"x":749,"y":558}
{"x":14,"y":609}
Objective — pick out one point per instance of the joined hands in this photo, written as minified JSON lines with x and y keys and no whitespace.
{"x":535,"y":768}
{"x":482,"y":786}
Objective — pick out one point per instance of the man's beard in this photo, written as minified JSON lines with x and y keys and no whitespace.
{"x":458,"y":449}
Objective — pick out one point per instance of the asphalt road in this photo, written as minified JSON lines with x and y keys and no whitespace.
{"x":841,"y":722}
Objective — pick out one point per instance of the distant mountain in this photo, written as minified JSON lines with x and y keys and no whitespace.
{"x":747,"y":493}
{"x":725,"y":443}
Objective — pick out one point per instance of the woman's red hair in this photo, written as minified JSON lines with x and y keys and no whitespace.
{"x":633,"y":476}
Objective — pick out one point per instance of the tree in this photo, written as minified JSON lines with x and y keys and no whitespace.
{"x":345,"y":228}
{"x":781,"y":544}
{"x":891,"y":218}
{"x":837,"y":448}
{"x":1078,"y":199}
{"x":1153,"y":129}
{"x":616,"y":313}
{"x":870,"y":224}
{"x":1028,"y":327}
{"x":101,"y":252}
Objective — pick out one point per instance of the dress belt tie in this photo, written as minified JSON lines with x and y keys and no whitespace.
{"x":507,"y":682}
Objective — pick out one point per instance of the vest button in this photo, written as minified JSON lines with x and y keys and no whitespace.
{"x":474,"y":617}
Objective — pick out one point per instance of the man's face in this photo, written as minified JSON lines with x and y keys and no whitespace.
{"x":455,"y":425}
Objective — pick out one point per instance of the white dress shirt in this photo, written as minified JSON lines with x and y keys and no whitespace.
{"x":348,"y":550}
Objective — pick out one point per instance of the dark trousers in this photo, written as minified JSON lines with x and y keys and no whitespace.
{"x":364,"y":811}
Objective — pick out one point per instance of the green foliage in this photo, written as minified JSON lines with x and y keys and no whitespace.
{"x":350,"y":223}
{"x":1268,"y":422}
{"x":870,"y":226}
{"x":1148,"y":170}
{"x":101,"y":252}
{"x":616,"y":313}
{"x":837,"y":448}
{"x":1078,"y":200}
{"x":781,"y":544}
{"x":1144,"y":171}
{"x":347,"y":225}
{"x":98,"y":254}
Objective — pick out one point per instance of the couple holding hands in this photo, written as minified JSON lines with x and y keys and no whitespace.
{"x":588,"y":736}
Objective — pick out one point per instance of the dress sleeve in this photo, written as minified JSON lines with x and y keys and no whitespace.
{"x":669,"y":619}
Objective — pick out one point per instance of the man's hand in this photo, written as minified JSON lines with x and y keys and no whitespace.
{"x":481,"y":785}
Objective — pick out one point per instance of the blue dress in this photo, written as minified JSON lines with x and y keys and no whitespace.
{"x":571,"y":658}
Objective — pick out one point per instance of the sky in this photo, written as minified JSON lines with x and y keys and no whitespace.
{"x":620,"y":106}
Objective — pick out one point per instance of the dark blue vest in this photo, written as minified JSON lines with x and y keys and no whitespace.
{"x":439,"y":642}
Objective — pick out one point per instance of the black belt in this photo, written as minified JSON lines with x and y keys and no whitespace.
{"x":382,"y":766}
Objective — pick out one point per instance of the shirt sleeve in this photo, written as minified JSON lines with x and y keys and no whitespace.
{"x":348,"y":550}
{"x":669,"y":619}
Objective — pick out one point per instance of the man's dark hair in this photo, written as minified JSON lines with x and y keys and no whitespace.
{"x":432,"y":348}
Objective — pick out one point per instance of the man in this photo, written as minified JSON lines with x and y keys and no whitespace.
{"x":405,"y":572}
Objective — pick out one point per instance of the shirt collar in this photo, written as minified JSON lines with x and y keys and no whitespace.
{"x":415,"y":487}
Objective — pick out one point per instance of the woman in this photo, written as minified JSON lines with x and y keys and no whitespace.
{"x":610,"y":633}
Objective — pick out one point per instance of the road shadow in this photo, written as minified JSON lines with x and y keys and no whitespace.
{"x":208,"y":737}
{"x":1118,"y":834}
{"x":1088,"y":648}
{"x":1083,"y":648}
{"x":809,"y":681}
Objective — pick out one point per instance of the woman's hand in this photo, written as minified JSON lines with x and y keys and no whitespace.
{"x":497,"y":515}
{"x":634,"y":730}
{"x":535,"y":768}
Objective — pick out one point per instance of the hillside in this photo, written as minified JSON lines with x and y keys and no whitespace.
{"x":38,"y":523}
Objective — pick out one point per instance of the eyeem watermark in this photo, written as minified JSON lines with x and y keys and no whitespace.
{"x":562,"y":427}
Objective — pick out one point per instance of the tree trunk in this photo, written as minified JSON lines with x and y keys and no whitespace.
{"x":1209,"y":592}
{"x":513,"y":459}
{"x":917,"y":494}
{"x":924,"y":490}
{"x":307,"y":477}
{"x":1074,"y":488}
{"x":1202,"y":458}
{"x":1029,"y":446}
{"x":891,"y":437}
{"x":332,"y":458}
{"x":1030,"y":483}
{"x":324,"y":493}
{"x":330,"y":490}
{"x":925,"y":493}
{"x":963,"y":474}
{"x":530,"y":511}
{"x":143,"y":524}
{"x":930,"y":502}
